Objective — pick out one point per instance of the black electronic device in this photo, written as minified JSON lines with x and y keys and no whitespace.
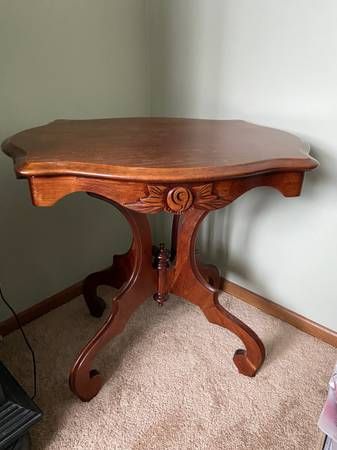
{"x":17,"y":413}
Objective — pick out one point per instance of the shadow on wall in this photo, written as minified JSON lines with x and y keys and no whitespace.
{"x":184,"y":78}
{"x":229,"y":60}
{"x":190,"y":79}
{"x":321,"y":177}
{"x":183,"y":75}
{"x":48,"y":249}
{"x":214,"y":237}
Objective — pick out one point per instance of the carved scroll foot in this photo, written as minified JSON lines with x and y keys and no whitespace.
{"x":188,"y":280}
{"x":248,"y":360}
{"x":85,"y":381}
{"x":115,"y":276}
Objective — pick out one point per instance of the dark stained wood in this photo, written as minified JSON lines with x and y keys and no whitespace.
{"x":177,"y":199}
{"x":267,"y":306}
{"x":85,"y":381}
{"x":182,"y":166}
{"x":281,"y":312}
{"x":155,"y":149}
{"x":186,"y":281}
{"x":162,"y":264}
{"x":174,"y":236}
{"x":113,"y":276}
{"x":211,"y":274}
{"x":41,"y":308}
{"x":46,"y":191}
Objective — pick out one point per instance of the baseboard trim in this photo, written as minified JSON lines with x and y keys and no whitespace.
{"x":41,"y":308}
{"x":262,"y":303}
{"x":282,"y":313}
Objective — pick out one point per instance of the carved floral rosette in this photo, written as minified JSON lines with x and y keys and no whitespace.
{"x":178,"y":199}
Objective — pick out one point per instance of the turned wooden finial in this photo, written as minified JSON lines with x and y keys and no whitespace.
{"x":162,"y":265}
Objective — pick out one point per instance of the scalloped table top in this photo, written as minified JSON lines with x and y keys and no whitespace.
{"x":155,"y":149}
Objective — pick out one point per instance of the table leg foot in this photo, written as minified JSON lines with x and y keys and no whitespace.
{"x":211,"y":274}
{"x":246,"y":366}
{"x":188,"y":280}
{"x":115,"y":276}
{"x":96,"y":305}
{"x":247,"y":360}
{"x":85,"y":381}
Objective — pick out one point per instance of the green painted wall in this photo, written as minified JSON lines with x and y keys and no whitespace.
{"x":272,"y":63}
{"x":266,"y":62}
{"x":63,"y":59}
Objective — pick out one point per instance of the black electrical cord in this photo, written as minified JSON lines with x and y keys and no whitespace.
{"x":26,"y":341}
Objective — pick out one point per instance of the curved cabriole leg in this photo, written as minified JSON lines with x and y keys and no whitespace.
{"x":85,"y":381}
{"x":115,"y":276}
{"x":189,"y":283}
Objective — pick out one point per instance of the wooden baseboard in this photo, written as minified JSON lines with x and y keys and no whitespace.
{"x":282,"y":313}
{"x":265,"y":305}
{"x":41,"y":308}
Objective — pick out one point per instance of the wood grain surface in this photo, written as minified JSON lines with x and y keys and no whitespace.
{"x":155,"y":149}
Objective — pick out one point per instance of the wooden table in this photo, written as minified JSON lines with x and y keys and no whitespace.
{"x":186,"y":167}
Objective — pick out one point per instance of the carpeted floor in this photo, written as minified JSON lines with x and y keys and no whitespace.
{"x":171,"y":383}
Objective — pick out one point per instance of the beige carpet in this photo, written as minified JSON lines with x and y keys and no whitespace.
{"x":171,"y":383}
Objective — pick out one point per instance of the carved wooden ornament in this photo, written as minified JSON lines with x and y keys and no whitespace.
{"x":178,"y":199}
